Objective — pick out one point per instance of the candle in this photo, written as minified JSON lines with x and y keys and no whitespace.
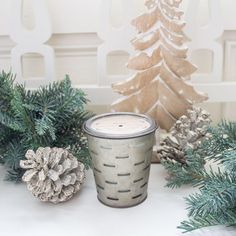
{"x":120,"y":145}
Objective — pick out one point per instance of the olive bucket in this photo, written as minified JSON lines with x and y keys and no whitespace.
{"x":121,"y":147}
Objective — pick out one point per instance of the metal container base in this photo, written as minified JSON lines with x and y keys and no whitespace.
{"x":121,"y":207}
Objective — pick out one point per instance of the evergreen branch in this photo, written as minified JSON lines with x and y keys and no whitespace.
{"x":50,"y":116}
{"x":217,"y":194}
{"x":198,"y":222}
{"x":228,"y":129}
{"x":215,"y":204}
{"x":10,"y":122}
{"x":82,"y":155}
{"x":219,"y":147}
{"x":219,"y":141}
{"x":6,"y":88}
{"x":15,"y":152}
{"x":180,"y":174}
{"x":15,"y":175}
{"x":228,"y":160}
{"x":193,"y":172}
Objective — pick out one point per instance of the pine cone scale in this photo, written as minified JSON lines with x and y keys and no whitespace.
{"x":187,"y":133}
{"x":52,"y":174}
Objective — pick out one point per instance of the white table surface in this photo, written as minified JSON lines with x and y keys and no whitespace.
{"x":23,"y":215}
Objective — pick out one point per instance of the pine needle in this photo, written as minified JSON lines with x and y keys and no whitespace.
{"x":49,"y":116}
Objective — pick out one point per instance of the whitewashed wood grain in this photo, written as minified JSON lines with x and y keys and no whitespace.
{"x":205,"y":37}
{"x":31,"y":41}
{"x":114,"y":39}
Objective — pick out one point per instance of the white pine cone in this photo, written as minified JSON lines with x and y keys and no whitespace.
{"x":187,"y":133}
{"x":53,"y":174}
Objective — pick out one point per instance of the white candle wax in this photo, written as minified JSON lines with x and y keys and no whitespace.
{"x":120,"y":124}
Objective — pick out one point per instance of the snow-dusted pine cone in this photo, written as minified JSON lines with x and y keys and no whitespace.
{"x":187,"y":133}
{"x":53,"y":174}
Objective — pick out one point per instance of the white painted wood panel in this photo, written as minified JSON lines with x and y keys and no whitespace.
{"x":72,"y":16}
{"x":75,"y":25}
{"x":31,"y":41}
{"x":115,"y":39}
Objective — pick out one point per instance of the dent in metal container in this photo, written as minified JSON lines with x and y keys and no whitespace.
{"x":120,"y":145}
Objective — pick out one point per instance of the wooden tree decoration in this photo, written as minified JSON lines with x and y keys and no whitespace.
{"x":160,"y":88}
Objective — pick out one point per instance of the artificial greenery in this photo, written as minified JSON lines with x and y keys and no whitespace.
{"x":49,"y":116}
{"x":215,"y":203}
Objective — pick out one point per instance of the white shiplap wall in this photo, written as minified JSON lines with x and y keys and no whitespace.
{"x":75,"y":24}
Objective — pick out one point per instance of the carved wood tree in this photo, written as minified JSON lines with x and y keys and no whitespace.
{"x":160,"y":88}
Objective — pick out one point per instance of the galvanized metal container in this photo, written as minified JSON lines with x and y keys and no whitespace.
{"x":121,"y":146}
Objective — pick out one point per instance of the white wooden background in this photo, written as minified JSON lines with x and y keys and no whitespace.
{"x":94,"y":54}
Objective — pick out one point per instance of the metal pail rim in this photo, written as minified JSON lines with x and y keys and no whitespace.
{"x":88,"y":130}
